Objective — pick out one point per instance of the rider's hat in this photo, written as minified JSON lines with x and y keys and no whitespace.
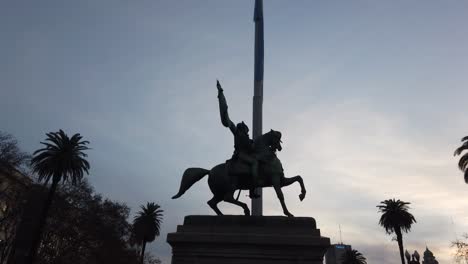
{"x":242,"y":126}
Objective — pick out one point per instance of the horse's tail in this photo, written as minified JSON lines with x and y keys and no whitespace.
{"x":191,"y":176}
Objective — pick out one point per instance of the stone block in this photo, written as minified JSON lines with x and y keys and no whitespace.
{"x":247,"y":239}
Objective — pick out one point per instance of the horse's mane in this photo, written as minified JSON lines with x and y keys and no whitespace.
{"x":267,"y":135}
{"x":263,"y":137}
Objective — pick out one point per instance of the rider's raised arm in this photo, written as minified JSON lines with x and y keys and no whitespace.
{"x":223,"y":110}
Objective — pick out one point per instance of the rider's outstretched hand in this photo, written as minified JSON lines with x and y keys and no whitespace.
{"x":219,"y":86}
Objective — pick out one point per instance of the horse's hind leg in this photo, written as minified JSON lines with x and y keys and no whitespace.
{"x":289,"y":181}
{"x":213,"y":203}
{"x":230,"y":199}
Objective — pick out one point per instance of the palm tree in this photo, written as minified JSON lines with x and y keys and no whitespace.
{"x":353,"y":257}
{"x":395,"y":219}
{"x":146,"y":225}
{"x":62,"y":159}
{"x":463,"y":163}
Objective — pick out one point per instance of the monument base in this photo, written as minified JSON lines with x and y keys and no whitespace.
{"x":247,"y":239}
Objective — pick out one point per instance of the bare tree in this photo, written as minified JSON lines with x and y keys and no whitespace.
{"x":9,"y":218}
{"x":461,"y":246}
{"x":11,"y":156}
{"x":12,"y":161}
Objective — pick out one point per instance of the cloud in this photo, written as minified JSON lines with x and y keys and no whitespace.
{"x":366,"y":114}
{"x":352,"y":157}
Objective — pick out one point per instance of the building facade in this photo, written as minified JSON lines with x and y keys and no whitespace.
{"x":335,"y":253}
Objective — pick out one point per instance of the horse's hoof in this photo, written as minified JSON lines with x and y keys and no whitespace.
{"x":247,"y":213}
{"x":302,"y":196}
{"x":288,"y":214}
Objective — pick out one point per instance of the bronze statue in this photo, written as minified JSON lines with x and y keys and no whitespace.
{"x":239,"y":172}
{"x":243,"y":145}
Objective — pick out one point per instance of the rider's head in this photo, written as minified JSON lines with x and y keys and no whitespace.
{"x":242,"y":127}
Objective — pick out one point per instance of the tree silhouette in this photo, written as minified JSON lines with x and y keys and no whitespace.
{"x":461,"y":253}
{"x":62,"y":158}
{"x":146,"y":225}
{"x":11,"y":200}
{"x":82,"y":227}
{"x":13,"y":162}
{"x":395,"y":219}
{"x":353,"y":257}
{"x":11,"y":156}
{"x":463,"y":163}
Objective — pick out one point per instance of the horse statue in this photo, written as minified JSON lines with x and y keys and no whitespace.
{"x":225,"y":178}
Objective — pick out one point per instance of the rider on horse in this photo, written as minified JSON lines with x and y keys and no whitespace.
{"x":243,"y":145}
{"x":242,"y":171}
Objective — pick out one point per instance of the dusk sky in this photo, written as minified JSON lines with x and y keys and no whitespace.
{"x":370,"y":96}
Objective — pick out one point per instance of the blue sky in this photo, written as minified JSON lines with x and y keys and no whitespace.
{"x":370,"y":97}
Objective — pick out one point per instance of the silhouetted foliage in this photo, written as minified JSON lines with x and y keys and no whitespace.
{"x":10,"y":211}
{"x":13,"y":162}
{"x":62,"y":158}
{"x":146,"y":225}
{"x":352,"y":256}
{"x":463,"y":162}
{"x":11,"y":156}
{"x":82,"y":227}
{"x":395,"y":219}
{"x":461,"y":246}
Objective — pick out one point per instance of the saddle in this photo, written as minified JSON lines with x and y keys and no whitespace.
{"x":237,"y":167}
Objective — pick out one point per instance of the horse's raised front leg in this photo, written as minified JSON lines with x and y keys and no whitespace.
{"x":280,"y":195}
{"x":230,"y":199}
{"x":289,"y":181}
{"x":213,"y":203}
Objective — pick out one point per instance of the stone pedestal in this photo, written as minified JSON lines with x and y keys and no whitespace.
{"x":247,"y":239}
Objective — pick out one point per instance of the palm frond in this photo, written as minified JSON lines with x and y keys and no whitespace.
{"x":147,"y":222}
{"x":61,"y":158}
{"x":463,"y":162}
{"x":353,"y":257}
{"x":463,"y":147}
{"x":395,"y":215}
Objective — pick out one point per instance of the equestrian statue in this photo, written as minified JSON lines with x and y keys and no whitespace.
{"x":254,"y":164}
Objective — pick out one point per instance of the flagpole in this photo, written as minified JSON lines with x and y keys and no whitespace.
{"x":257,"y":204}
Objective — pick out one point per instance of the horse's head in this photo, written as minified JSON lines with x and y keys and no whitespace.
{"x":275,"y":140}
